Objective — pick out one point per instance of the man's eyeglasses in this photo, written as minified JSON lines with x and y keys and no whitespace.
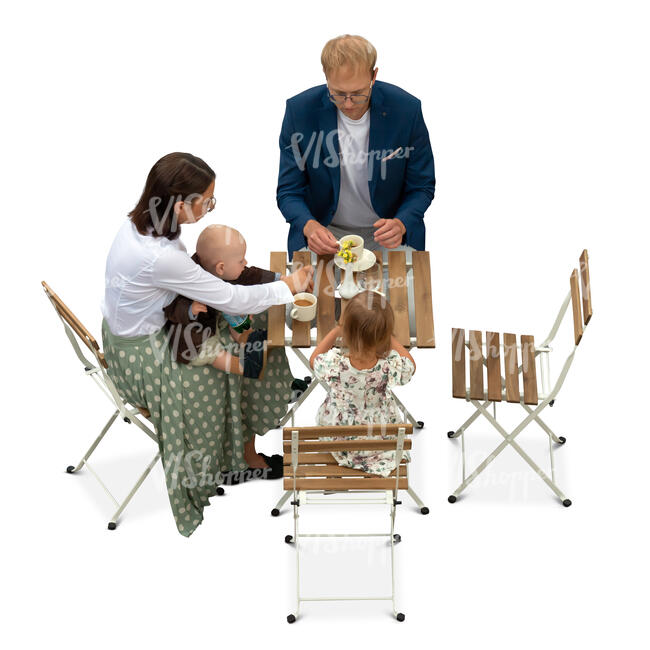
{"x":355,"y":98}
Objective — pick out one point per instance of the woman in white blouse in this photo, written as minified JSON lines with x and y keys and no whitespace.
{"x":204,"y":417}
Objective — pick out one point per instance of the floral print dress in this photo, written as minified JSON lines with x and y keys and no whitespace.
{"x":362,"y":397}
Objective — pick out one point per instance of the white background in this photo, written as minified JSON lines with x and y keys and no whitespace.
{"x":538,"y":117}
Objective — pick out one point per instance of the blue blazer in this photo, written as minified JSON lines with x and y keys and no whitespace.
{"x":400,"y":164}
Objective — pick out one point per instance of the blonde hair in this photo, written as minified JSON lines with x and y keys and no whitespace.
{"x":355,"y":51}
{"x":368,"y":324}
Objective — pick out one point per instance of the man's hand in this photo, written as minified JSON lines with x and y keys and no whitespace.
{"x":319,"y":239}
{"x":198,"y":308}
{"x":300,"y":280}
{"x":389,"y":232}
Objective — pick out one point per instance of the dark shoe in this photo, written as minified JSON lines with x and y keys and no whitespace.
{"x":298,"y":387}
{"x":273,"y":471}
{"x":274,"y":462}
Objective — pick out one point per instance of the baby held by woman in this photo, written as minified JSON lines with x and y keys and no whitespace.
{"x":198,"y":334}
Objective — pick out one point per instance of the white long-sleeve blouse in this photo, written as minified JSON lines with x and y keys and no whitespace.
{"x":145,"y":273}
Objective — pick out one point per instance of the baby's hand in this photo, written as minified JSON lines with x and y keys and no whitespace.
{"x":198,"y":308}
{"x":239,"y":337}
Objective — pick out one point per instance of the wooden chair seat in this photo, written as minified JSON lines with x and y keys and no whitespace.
{"x":318,"y":470}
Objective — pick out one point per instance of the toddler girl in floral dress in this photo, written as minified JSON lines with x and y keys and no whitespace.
{"x":361,"y":378}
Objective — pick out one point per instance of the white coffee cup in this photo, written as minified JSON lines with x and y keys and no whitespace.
{"x":304,"y":312}
{"x":357,"y":244}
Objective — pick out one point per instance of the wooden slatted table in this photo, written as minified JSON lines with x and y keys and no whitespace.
{"x":401,"y":277}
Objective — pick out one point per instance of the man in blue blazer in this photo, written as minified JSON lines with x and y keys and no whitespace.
{"x":355,"y":157}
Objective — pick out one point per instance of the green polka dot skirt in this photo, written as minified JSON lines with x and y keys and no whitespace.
{"x":203,"y":416}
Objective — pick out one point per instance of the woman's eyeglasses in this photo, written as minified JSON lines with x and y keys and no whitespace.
{"x":208,"y":204}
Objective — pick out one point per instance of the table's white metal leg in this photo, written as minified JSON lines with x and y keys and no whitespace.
{"x":417,"y":424}
{"x":278,"y":506}
{"x":289,"y":415}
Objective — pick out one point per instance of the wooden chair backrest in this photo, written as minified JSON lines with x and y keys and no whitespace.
{"x":582,"y":313}
{"x":478,"y":363}
{"x":75,"y":324}
{"x":318,"y":470}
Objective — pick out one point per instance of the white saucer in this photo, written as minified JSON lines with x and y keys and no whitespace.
{"x":366,"y":262}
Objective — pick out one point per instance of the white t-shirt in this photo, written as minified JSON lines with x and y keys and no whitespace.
{"x":145,"y":273}
{"x":354,"y":207}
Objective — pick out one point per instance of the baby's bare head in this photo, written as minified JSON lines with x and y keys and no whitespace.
{"x":222,"y":251}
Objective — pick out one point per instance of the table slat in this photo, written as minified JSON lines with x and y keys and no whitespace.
{"x":529,"y":371}
{"x":476,"y":390}
{"x":424,"y":330}
{"x":375,"y":275}
{"x":493,"y":352}
{"x":511,"y":367}
{"x":276,"y":317}
{"x":399,"y":295}
{"x":325,"y":285}
{"x":458,"y":362}
{"x":301,"y":331}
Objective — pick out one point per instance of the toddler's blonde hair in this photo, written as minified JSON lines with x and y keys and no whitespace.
{"x":368,"y":324}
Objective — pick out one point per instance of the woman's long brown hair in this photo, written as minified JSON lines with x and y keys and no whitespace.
{"x":173,"y":178}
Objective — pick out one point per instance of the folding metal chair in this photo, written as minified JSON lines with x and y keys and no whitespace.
{"x":315,"y":478}
{"x":96,"y":369}
{"x":500,"y":387}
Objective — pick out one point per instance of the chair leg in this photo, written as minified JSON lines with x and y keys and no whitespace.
{"x":465,"y":425}
{"x":394,"y":539}
{"x":510,"y":439}
{"x":560,"y":440}
{"x":112,"y":524}
{"x":291,"y":618}
{"x":72,"y":469}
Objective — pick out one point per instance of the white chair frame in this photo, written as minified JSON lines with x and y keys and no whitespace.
{"x":303,"y":498}
{"x":96,"y":370}
{"x":547,"y":394}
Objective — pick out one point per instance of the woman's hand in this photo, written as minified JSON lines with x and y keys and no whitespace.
{"x":300,"y":280}
{"x":319,"y":239}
